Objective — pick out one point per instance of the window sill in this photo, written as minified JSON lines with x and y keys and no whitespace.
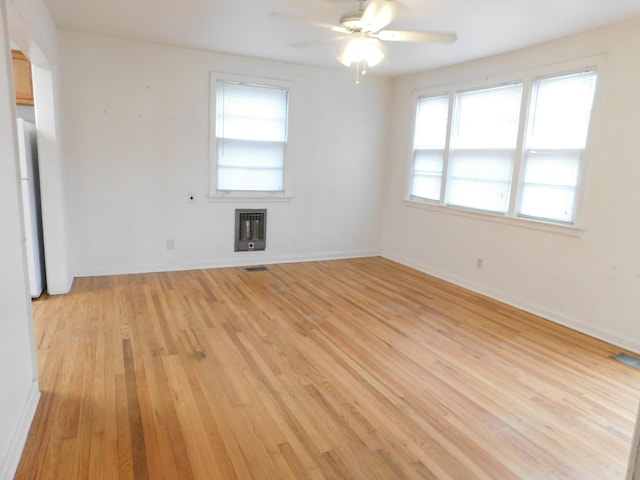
{"x":249,"y":197}
{"x":569,"y":230}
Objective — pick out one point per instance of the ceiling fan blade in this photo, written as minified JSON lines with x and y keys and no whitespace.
{"x":308,"y":21}
{"x":317,"y":41}
{"x":409,"y":36}
{"x":337,"y":29}
{"x":378,"y":14}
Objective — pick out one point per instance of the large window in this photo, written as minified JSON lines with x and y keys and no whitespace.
{"x":429,"y":146}
{"x":556,"y":139}
{"x":476,"y":149}
{"x":251,"y":121}
{"x":483,"y":148}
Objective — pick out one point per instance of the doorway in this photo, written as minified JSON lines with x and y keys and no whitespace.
{"x":29,"y":171}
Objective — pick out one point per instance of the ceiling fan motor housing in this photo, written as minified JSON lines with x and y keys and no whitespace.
{"x":353,"y":21}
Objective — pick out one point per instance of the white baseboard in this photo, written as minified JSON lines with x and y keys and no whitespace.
{"x":522,"y":304}
{"x":243,"y":259}
{"x":56,"y":290}
{"x":9,"y":464}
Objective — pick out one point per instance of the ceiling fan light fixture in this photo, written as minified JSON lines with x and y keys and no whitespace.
{"x":366,"y":33}
{"x":360,"y":49}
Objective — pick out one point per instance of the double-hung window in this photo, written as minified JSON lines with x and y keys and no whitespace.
{"x":554,"y":152}
{"x":483,"y":148}
{"x":477,"y":149}
{"x":251,"y":124}
{"x":429,"y":146}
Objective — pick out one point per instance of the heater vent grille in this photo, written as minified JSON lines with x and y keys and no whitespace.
{"x":258,"y":268}
{"x":251,"y":229}
{"x":628,"y":359}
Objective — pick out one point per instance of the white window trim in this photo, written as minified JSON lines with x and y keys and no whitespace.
{"x":527,"y":77}
{"x":215,"y":195}
{"x":534,"y":224}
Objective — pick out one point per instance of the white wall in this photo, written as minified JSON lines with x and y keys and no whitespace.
{"x":589,"y":282}
{"x":52,"y":182}
{"x":135,"y":128}
{"x":28,"y":25}
{"x":18,"y":377}
{"x":33,"y":31}
{"x":633,"y":467}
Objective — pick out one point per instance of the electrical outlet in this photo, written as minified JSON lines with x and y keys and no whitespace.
{"x":479,"y":263}
{"x":171,"y":244}
{"x":191,"y":198}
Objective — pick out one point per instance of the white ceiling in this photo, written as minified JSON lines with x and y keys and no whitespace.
{"x":248,"y":28}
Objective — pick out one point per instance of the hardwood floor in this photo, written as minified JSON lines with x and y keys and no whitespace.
{"x":354,"y":369}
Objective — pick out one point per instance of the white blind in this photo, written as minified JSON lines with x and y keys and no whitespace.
{"x":428,"y":146}
{"x":251,"y":133}
{"x":484,"y":140}
{"x":558,"y":126}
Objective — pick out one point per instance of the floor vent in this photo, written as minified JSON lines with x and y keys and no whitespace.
{"x":260,"y":268}
{"x":627,"y":359}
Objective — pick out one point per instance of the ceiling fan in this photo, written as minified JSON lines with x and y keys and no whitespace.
{"x":364,"y":29}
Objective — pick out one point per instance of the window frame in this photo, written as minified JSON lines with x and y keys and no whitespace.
{"x":445,"y":151}
{"x":526,"y":149}
{"x":527,"y":78}
{"x":216,"y":195}
{"x":456,"y":106}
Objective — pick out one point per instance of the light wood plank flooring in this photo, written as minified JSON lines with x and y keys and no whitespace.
{"x":354,"y":369}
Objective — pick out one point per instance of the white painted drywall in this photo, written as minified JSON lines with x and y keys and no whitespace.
{"x":52,"y":181}
{"x":589,"y":282}
{"x":30,"y":27}
{"x":135,"y":123}
{"x":18,"y":374}
{"x":633,"y":467}
{"x":32,"y":30}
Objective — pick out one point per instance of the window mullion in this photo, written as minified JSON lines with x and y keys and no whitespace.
{"x":516,"y":177}
{"x":412,"y":166}
{"x":447,"y":148}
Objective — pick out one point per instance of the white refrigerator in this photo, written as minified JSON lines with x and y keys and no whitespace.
{"x":30,"y":180}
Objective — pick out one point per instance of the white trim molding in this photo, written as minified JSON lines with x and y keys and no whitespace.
{"x":9,"y":464}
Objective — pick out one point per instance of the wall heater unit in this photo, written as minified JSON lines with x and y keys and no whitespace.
{"x":251,"y":229}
